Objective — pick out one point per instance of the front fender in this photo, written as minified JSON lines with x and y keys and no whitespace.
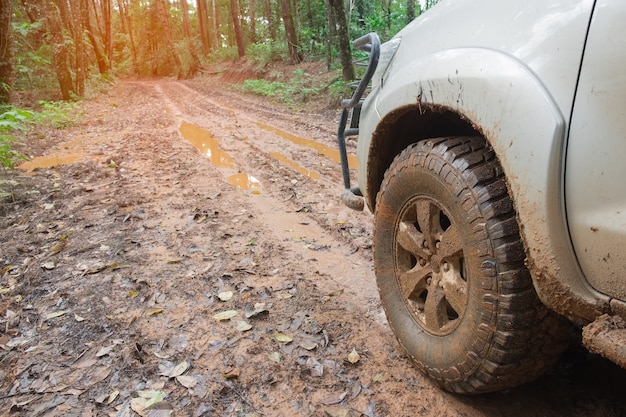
{"x":503,"y":100}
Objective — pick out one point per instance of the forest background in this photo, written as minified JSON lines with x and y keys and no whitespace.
{"x":64,"y":49}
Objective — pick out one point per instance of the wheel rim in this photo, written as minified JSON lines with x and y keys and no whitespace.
{"x":430,"y":266}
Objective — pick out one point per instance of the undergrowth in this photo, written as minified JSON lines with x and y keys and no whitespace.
{"x":298,"y":89}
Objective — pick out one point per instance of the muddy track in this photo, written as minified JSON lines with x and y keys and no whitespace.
{"x":294,"y":174}
{"x":185,"y":201}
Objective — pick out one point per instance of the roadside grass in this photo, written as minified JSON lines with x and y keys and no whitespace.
{"x":15,"y":122}
{"x":300,"y":88}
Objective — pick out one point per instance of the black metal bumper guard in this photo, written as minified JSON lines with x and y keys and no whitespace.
{"x":351,"y":196}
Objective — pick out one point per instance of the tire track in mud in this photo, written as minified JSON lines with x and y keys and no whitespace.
{"x":281,"y":202}
{"x":553,"y":394}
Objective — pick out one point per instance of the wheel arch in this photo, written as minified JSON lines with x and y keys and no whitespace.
{"x":481,"y":91}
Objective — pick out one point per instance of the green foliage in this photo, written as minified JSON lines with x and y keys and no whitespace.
{"x":11,"y":119}
{"x":8,"y":155}
{"x":58,"y":114}
{"x":55,"y":114}
{"x":298,"y":89}
{"x":264,"y":53}
{"x":223,"y":54}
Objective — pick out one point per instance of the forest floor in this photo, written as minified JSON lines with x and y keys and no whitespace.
{"x":183,"y":251}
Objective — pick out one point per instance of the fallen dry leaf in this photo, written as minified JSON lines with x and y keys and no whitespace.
{"x":55,"y":314}
{"x":353,"y":357}
{"x":179,"y":369}
{"x":187,"y":381}
{"x":105,"y":351}
{"x":225,"y":295}
{"x":225,"y":315}
{"x":154,"y":311}
{"x":242,"y":326}
{"x":233,"y":373}
{"x":283,"y":338}
{"x":274,"y":357}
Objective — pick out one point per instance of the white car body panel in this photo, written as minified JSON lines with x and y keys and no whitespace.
{"x":595,"y":168}
{"x":514,"y":79}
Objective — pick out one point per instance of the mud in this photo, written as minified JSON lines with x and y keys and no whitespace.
{"x":119,"y":270}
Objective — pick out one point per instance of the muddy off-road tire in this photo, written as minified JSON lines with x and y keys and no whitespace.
{"x":450,"y":270}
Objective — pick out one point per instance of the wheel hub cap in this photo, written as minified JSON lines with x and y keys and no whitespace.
{"x":430,"y":266}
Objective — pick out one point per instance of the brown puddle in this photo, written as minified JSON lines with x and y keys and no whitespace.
{"x":49,"y":161}
{"x":245,"y":182}
{"x":330,"y":153}
{"x":207,"y":144}
{"x":292,"y":164}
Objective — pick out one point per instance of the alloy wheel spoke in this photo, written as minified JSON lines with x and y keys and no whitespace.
{"x":435,"y":311}
{"x":428,"y":220}
{"x":414,"y":280}
{"x":411,"y":240}
{"x":455,"y":290}
{"x":450,"y":246}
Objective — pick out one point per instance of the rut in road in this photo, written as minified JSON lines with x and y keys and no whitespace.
{"x":285,"y":196}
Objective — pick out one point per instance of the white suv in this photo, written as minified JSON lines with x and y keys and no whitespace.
{"x":492,"y":152}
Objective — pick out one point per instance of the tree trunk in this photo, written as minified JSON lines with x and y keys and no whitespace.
{"x":203,"y":26}
{"x":291,"y":33}
{"x":80,"y":66}
{"x":345,"y":55}
{"x":234,"y":12}
{"x":103,"y":66}
{"x":166,"y":28}
{"x":195,"y":61}
{"x":271,"y":22}
{"x":215,"y":21}
{"x":252,"y":14}
{"x":6,"y":52}
{"x":410,"y":11}
{"x":125,"y":17}
{"x":332,"y":30}
{"x":59,"y":50}
{"x":108,"y":33}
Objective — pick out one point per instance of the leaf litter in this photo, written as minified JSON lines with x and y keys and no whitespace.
{"x":114,"y":280}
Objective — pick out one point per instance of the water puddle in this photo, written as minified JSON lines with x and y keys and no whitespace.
{"x":332,"y":154}
{"x":294,"y":165}
{"x":207,"y":144}
{"x":245,"y":182}
{"x":49,"y":161}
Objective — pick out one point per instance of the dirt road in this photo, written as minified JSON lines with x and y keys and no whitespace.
{"x":188,"y":249}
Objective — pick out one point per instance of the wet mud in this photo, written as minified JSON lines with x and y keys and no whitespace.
{"x":196,"y":260}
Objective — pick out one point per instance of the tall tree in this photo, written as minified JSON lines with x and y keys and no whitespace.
{"x":108,"y":30}
{"x":195,"y":60}
{"x":345,"y":56}
{"x":80,"y":65}
{"x":60,"y":56}
{"x":203,"y":26}
{"x":101,"y":61}
{"x":216,"y":23}
{"x":252,"y":15}
{"x":410,"y":10}
{"x":125,"y":18}
{"x":271,"y":22}
{"x":330,"y":34}
{"x":6,"y":52}
{"x":234,"y":12}
{"x":163,"y":17}
{"x":291,"y":33}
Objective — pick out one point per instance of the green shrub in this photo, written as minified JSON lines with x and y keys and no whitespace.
{"x":8,"y":155}
{"x":58,"y":114}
